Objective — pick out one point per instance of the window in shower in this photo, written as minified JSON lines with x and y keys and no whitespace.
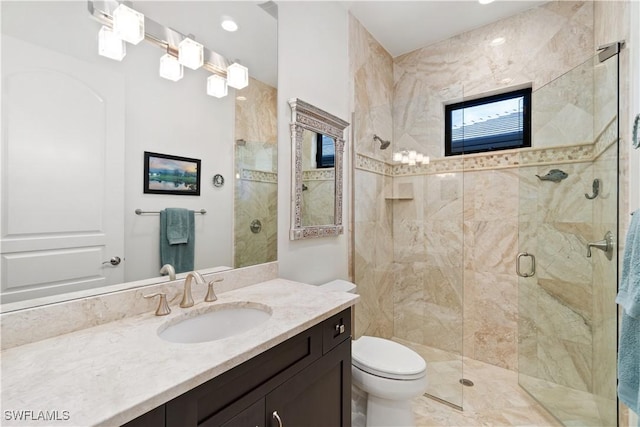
{"x":497,"y":122}
{"x":325,"y":152}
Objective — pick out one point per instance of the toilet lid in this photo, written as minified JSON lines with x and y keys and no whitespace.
{"x":387,"y":359}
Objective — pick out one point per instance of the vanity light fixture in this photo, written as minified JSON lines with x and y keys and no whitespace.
{"x":191,"y":53}
{"x":128,"y":24}
{"x":120,"y":23}
{"x":410,"y":157}
{"x":217,"y":86}
{"x":170,"y":68}
{"x":485,"y":1}
{"x":110,"y":45}
{"x":237,"y":76}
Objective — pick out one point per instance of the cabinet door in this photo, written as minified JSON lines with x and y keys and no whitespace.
{"x":319,"y":396}
{"x":153,"y":418}
{"x":252,"y":416}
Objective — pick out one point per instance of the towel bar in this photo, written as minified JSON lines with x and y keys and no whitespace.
{"x":141,"y":212}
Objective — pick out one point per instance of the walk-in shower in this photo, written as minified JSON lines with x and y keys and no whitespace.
{"x":436,"y":246}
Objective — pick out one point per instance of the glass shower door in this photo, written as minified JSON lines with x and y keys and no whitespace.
{"x":568,"y":198}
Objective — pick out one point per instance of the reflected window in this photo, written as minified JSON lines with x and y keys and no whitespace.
{"x":326,"y":151}
{"x":497,"y":122}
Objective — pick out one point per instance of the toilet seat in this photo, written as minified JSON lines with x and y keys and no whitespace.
{"x":387,"y":359}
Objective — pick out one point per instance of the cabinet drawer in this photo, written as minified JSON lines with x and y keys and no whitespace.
{"x":336,"y":329}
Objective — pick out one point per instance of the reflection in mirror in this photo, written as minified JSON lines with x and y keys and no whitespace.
{"x":318,"y":147}
{"x":318,"y":179}
{"x":75,"y":129}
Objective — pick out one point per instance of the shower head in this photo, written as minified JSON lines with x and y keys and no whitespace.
{"x":383,"y":144}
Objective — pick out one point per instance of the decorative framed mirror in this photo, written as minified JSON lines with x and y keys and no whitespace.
{"x":317,"y":139}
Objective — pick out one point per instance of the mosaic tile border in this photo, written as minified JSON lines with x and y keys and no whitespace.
{"x":259,"y":176}
{"x":319,"y":175}
{"x":498,"y":160}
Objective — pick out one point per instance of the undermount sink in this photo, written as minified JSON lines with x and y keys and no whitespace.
{"x":214,"y":323}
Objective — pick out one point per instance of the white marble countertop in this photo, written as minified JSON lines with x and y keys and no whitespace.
{"x":112,"y":373}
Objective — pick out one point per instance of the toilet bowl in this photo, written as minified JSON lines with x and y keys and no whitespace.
{"x":389,"y":373}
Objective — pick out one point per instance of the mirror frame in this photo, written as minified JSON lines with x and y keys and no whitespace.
{"x":306,"y":116}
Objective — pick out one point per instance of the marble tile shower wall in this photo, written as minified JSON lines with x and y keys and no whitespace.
{"x":372,"y":70}
{"x":459,"y":234}
{"x":257,"y":180}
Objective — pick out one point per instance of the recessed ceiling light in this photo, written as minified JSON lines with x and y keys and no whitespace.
{"x":498,"y":41}
{"x":228,"y":24}
{"x":485,"y":1}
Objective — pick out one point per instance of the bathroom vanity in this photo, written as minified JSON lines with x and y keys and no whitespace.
{"x":296,"y":366}
{"x":304,"y":381}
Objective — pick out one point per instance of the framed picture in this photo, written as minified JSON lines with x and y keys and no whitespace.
{"x":165,"y":174}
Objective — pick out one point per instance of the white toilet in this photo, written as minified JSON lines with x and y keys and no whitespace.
{"x":389,"y":373}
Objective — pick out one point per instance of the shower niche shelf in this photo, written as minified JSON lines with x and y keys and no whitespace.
{"x":402,"y":191}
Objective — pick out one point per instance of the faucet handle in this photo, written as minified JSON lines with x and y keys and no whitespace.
{"x":163,"y":307}
{"x":211,"y":295}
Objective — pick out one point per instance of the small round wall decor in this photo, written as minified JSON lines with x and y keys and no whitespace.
{"x":218,"y":180}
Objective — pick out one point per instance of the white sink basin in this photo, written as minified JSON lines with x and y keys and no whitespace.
{"x":214,"y":323}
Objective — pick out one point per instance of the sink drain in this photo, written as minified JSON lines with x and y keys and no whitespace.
{"x":467,"y":383}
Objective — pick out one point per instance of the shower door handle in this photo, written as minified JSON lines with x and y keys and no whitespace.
{"x":533,"y":264}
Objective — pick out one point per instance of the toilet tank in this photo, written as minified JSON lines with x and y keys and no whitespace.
{"x":340,"y":285}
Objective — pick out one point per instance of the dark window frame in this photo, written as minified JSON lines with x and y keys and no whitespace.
{"x":526,"y":138}
{"x":322,"y":160}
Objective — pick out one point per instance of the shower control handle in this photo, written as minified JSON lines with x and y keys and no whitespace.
{"x":605,"y":245}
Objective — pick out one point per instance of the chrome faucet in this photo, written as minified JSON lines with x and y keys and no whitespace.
{"x":187,"y":299}
{"x":168,"y":269}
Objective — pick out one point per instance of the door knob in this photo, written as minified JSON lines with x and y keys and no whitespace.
{"x":113,"y":261}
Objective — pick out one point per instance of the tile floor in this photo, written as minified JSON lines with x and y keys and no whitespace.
{"x":496,"y":398}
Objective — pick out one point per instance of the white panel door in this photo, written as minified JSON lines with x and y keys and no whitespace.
{"x":62,"y":173}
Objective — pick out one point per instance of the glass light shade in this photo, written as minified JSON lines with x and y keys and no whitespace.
{"x":128,"y":24}
{"x":191,"y":54}
{"x":170,"y":68}
{"x":425,"y":160}
{"x":397,"y":157}
{"x":412,"y":162}
{"x":237,"y":76}
{"x":110,"y":45}
{"x":419,"y":157}
{"x":405,"y":159}
{"x":412,"y":155}
{"x":217,"y":86}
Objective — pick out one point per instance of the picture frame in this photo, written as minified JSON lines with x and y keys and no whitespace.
{"x":168,"y":174}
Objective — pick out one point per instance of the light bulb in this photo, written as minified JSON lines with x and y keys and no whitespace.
{"x":217,"y":86}
{"x":412,"y":155}
{"x":412,"y":162}
{"x":237,"y":76}
{"x":128,"y":24}
{"x":425,"y":160}
{"x":110,"y":45}
{"x":419,"y":157}
{"x":397,"y":157}
{"x":191,"y":54}
{"x":405,"y":159}
{"x":170,"y":68}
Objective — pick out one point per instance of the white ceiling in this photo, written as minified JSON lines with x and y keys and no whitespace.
{"x":404,"y":26}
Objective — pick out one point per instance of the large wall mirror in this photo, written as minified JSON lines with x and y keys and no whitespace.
{"x":76,"y":126}
{"x":317,"y":139}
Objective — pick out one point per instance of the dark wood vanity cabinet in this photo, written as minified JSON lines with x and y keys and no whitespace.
{"x":304,"y":381}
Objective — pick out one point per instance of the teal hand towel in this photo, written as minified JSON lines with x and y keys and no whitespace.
{"x":177,"y":225}
{"x":629,"y":299}
{"x":180,"y":255}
